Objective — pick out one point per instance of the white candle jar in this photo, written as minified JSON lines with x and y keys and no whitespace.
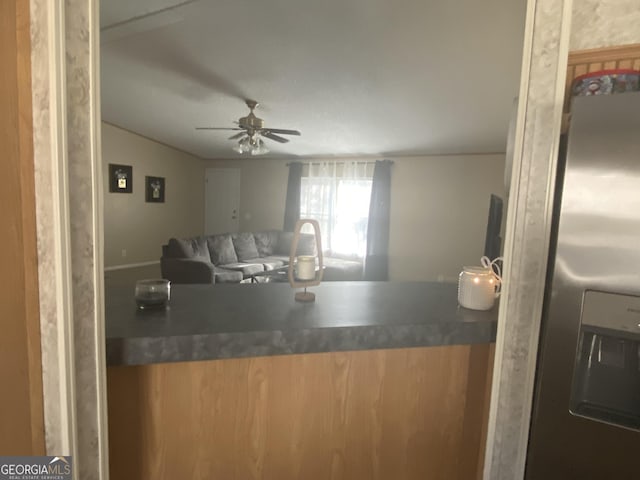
{"x":477,"y":288}
{"x":306,"y":267}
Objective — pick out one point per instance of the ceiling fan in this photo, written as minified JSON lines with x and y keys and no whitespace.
{"x":251,"y":130}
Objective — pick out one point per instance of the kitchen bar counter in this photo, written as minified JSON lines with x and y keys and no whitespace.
{"x":206,"y":322}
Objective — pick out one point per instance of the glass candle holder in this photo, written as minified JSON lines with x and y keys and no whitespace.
{"x":153,"y":293}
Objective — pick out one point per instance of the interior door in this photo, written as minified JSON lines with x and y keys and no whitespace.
{"x":222,"y":200}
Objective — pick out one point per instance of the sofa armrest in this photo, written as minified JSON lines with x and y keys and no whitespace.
{"x":187,"y":270}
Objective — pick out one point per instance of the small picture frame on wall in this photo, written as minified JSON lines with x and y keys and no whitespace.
{"x":120,"y":178}
{"x":154,"y":187}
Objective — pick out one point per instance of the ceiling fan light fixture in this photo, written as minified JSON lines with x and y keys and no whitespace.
{"x":238,"y":148}
{"x":243,"y":146}
{"x":253,"y":130}
{"x":259,"y":148}
{"x":251,"y":144}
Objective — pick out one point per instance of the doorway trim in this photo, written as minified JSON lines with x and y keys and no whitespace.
{"x":71,"y":280}
{"x":528,"y":231}
{"x":68,"y":180}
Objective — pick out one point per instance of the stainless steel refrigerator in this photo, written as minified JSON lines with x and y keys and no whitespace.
{"x":586,"y":416}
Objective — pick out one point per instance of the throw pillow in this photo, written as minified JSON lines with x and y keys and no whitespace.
{"x":200,"y":248}
{"x":188,"y":248}
{"x":266,"y":242}
{"x":245,"y":246}
{"x":179,"y":248}
{"x":221,"y":249}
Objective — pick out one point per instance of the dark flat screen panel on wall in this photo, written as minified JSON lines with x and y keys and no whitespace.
{"x":493,"y":240}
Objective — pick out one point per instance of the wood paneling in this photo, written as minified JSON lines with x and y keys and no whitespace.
{"x":21,"y":416}
{"x":588,"y":61}
{"x":381,"y":414}
{"x":606,"y":54}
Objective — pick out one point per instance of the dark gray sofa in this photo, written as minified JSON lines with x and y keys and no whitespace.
{"x":233,"y":258}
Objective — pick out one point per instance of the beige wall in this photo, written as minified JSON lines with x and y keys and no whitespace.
{"x":439,"y":207}
{"x":139,"y":227}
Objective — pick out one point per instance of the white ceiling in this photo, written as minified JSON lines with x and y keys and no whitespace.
{"x":356,"y":77}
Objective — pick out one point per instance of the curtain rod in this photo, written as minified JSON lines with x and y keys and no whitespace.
{"x":342,"y":162}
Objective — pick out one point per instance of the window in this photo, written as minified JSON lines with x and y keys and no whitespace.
{"x":338,"y":196}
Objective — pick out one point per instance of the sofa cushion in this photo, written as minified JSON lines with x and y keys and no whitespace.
{"x":222,"y":275}
{"x":306,"y":244}
{"x":245,"y":246}
{"x":266,"y":242}
{"x":271,"y":262}
{"x":195,"y":248}
{"x":221,"y":249}
{"x":247,"y":269}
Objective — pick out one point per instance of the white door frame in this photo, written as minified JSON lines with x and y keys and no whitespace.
{"x":68,"y":180}
{"x":65,"y":39}
{"x":528,"y":230}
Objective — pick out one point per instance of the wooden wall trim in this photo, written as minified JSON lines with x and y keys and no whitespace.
{"x":21,"y":417}
{"x":623,"y":52}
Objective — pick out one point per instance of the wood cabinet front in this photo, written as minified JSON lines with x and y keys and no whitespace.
{"x":380,"y":414}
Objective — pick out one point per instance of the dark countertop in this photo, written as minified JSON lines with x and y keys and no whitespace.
{"x":206,"y":322}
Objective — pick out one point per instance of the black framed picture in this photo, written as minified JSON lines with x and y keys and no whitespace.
{"x":120,"y":178}
{"x":154,"y":189}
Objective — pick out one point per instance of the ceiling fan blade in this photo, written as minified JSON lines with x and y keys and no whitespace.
{"x":237,"y":135}
{"x":218,"y":128}
{"x":282,"y":131}
{"x":273,"y":136}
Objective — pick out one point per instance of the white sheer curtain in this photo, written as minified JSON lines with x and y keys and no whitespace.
{"x":338,"y":196}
